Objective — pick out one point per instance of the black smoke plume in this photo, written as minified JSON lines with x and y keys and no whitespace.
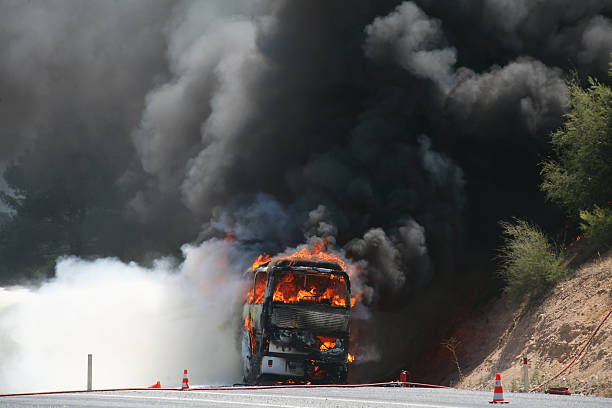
{"x":400,"y":131}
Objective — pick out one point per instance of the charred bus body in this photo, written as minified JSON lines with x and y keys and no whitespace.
{"x":296,"y":323}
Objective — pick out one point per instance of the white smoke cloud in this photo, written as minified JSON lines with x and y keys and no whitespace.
{"x":141,"y":325}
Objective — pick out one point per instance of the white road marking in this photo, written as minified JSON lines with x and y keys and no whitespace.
{"x":274,"y":396}
{"x":407,"y":404}
{"x":259,"y":404}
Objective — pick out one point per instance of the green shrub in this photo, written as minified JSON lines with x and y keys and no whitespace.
{"x":530,"y":263}
{"x":597,"y":227}
{"x":580,"y":175}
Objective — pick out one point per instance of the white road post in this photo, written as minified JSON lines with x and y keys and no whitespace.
{"x":525,"y":374}
{"x":89,"y":361}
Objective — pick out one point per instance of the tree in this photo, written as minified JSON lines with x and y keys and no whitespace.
{"x":67,"y":211}
{"x":71,"y":204}
{"x":581,"y":175}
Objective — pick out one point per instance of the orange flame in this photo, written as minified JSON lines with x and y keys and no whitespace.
{"x":327,"y":343}
{"x":317,"y":253}
{"x":350,"y":358}
{"x":261,"y":259}
{"x":260,"y":286}
{"x":292,"y":381}
{"x":287,"y":289}
{"x":248,"y":324}
{"x":261,"y":280}
{"x":578,"y":238}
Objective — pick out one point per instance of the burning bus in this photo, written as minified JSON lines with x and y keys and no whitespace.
{"x":296,"y":321}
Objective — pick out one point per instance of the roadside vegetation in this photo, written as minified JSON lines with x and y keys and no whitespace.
{"x":597,"y":228}
{"x":531,"y":263}
{"x":579,"y":179}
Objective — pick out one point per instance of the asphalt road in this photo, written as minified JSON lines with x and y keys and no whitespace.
{"x":300,"y":398}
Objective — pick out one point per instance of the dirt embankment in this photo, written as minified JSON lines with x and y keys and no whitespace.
{"x":549,"y":335}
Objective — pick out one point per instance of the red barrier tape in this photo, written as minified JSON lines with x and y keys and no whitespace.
{"x":240,"y":388}
{"x":266,"y":387}
{"x":571,"y":363}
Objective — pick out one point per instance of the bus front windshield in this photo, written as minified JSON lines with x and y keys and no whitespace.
{"x":310,"y":287}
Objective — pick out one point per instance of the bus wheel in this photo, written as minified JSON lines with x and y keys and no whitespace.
{"x":251,"y":363}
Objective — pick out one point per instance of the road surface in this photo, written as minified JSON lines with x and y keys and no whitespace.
{"x":301,"y":398}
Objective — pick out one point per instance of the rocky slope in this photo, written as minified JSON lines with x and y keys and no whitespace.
{"x":549,"y":335}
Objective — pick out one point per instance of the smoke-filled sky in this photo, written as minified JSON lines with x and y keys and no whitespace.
{"x":402,"y":131}
{"x":383,"y":112}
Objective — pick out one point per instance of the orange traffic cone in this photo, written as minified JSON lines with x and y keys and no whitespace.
{"x":156,"y":385}
{"x":498,"y":392}
{"x":185,"y":381}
